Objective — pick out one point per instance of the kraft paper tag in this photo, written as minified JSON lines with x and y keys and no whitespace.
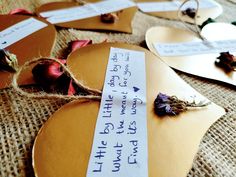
{"x":202,"y":64}
{"x":63,"y":145}
{"x":27,"y":38}
{"x":88,"y":16}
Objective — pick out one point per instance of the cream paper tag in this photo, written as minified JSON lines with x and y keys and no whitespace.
{"x":86,"y":11}
{"x":120,"y":140}
{"x":19,"y":31}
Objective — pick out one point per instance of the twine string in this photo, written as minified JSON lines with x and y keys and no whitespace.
{"x":94,"y":94}
{"x":197,"y":30}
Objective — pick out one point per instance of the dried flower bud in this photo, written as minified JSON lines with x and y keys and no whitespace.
{"x":171,"y":105}
{"x":191,"y":12}
{"x":226,"y":61}
{"x":109,"y":17}
{"x":8,"y":61}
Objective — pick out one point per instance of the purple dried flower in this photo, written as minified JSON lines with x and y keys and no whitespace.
{"x":162,"y":105}
{"x":171,"y":105}
{"x":162,"y":97}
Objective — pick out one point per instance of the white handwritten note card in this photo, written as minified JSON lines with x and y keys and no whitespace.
{"x":195,"y":48}
{"x":173,"y":5}
{"x":120,"y":140}
{"x":19,"y":31}
{"x":86,"y":11}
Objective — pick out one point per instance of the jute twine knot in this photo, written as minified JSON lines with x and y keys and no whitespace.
{"x":93,"y":94}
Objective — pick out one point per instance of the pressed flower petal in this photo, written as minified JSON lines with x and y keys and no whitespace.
{"x":46,"y":74}
{"x":51,"y":76}
{"x":162,"y":97}
{"x":20,"y":11}
{"x":74,"y":45}
{"x":78,"y":44}
{"x":54,"y":71}
{"x":168,"y":108}
{"x":160,"y":106}
{"x":71,"y":89}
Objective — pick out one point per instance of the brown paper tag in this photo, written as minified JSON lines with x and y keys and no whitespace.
{"x":63,"y":145}
{"x":123,"y":24}
{"x":39,"y":43}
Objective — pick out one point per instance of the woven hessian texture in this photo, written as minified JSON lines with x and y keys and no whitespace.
{"x":21,"y":118}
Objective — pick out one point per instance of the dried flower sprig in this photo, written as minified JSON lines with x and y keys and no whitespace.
{"x":8,"y":61}
{"x":171,"y":105}
{"x":226,"y":61}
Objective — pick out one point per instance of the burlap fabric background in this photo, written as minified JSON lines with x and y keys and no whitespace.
{"x":21,"y":118}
